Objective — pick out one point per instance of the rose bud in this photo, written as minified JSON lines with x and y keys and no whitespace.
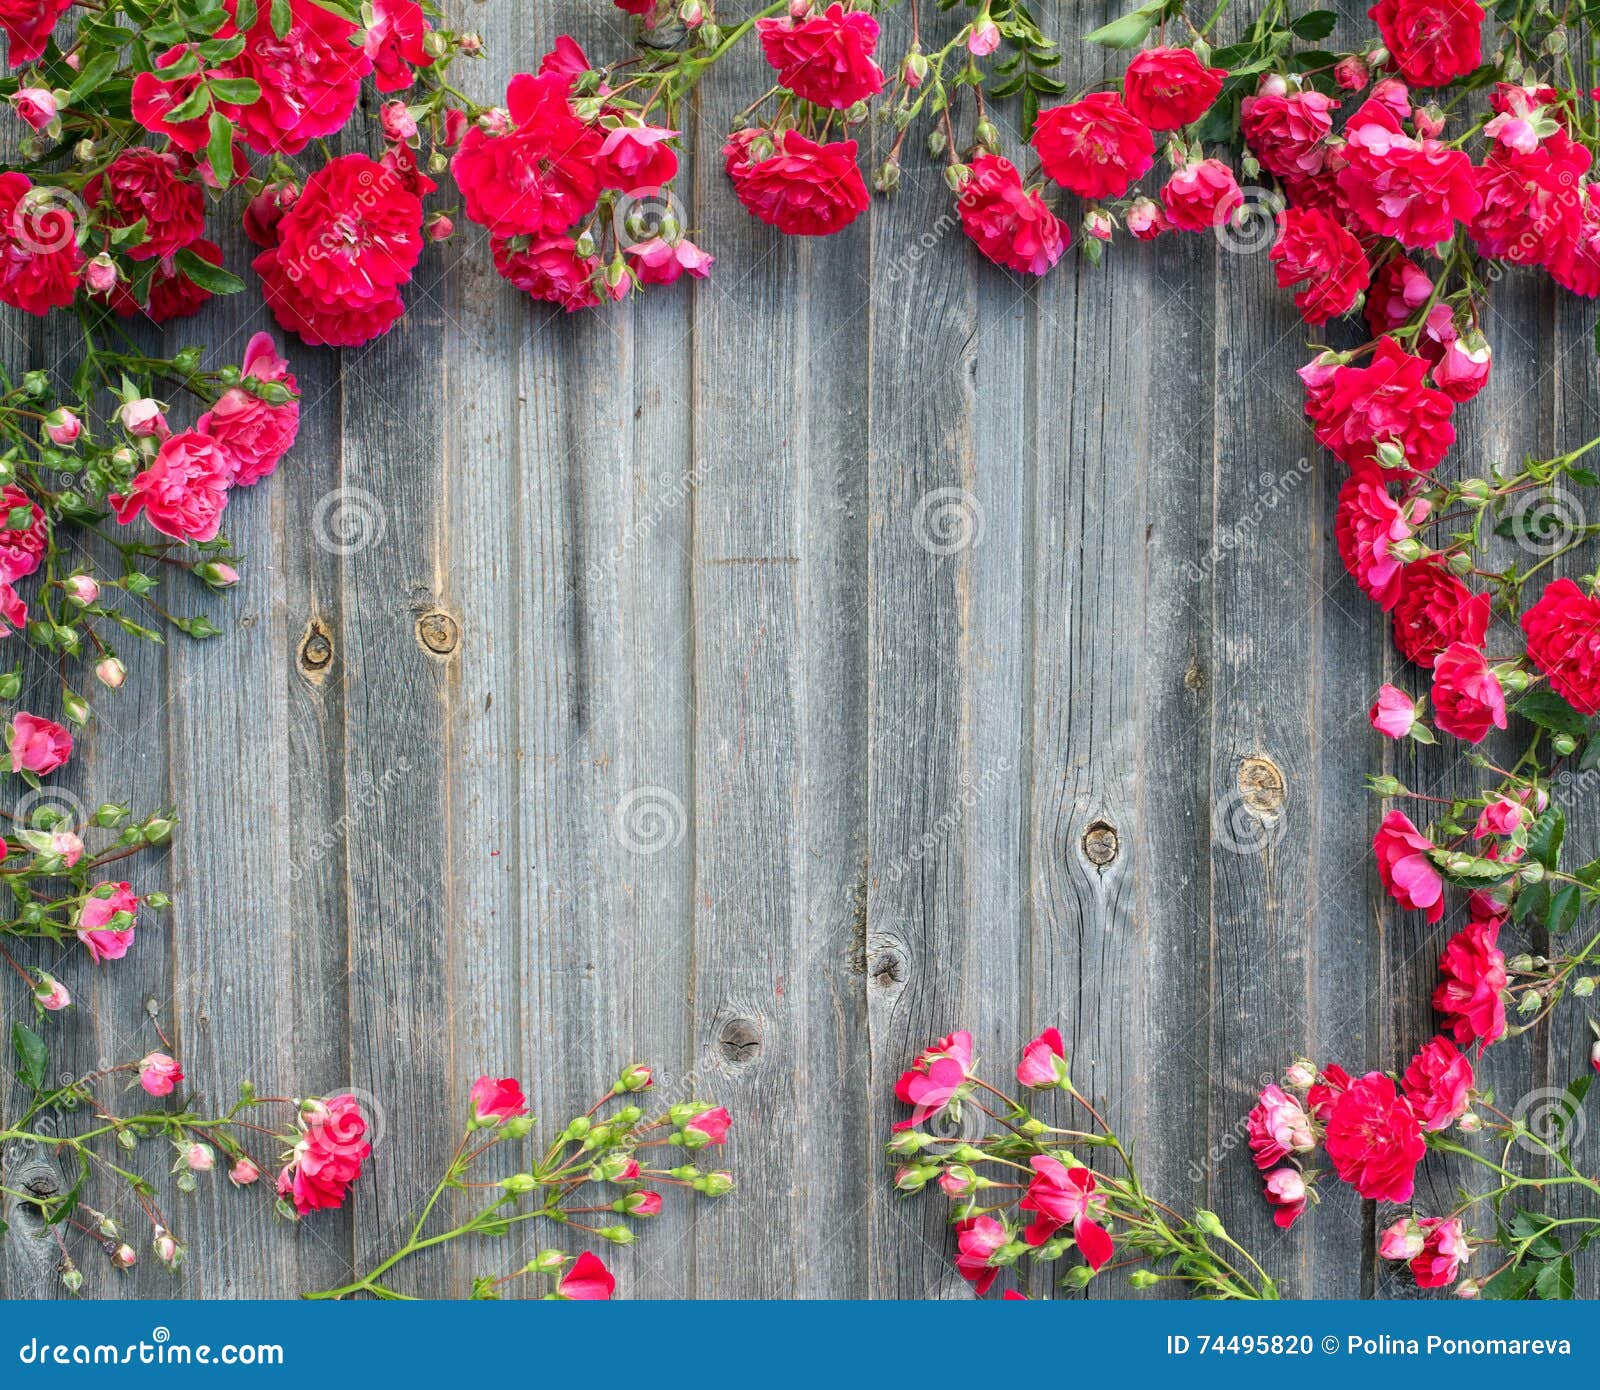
{"x":143,"y":419}
{"x":984,"y":38}
{"x":243,"y":1173}
{"x":81,"y":588}
{"x":470,"y":44}
{"x":1464,"y":368}
{"x":100,"y":275}
{"x":1594,"y":1055}
{"x":63,"y":427}
{"x":201,"y":1158}
{"x":398,"y":123}
{"x":1351,"y":74}
{"x":440,"y":228}
{"x":636,"y":1078}
{"x":50,"y":993}
{"x":35,"y":105}
{"x":111,"y":673}
{"x":124,"y":1257}
{"x":217,"y":574}
{"x":159,"y":1074}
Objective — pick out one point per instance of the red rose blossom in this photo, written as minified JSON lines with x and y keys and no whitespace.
{"x":1467,"y":698}
{"x":142,"y":184}
{"x":395,"y":43}
{"x":310,"y":79}
{"x":344,"y":250}
{"x":1386,"y":402}
{"x":173,"y":295}
{"x":1433,"y":41}
{"x":1563,"y":632}
{"x":1576,"y":265}
{"x":543,"y":174}
{"x":1170,"y":87}
{"x":184,"y":489}
{"x":28,"y":25}
{"x":40,"y":260}
{"x":1398,"y":290}
{"x":1438,"y":1084}
{"x":1201,"y":196}
{"x":1366,"y":523}
{"x":1374,"y":1141}
{"x":1445,"y":1248}
{"x":1095,"y":147}
{"x":548,"y":269}
{"x":1413,"y":190}
{"x":1331,"y":1083}
{"x":1405,"y":867}
{"x":1288,"y":131}
{"x":327,"y":1156}
{"x":255,"y":434}
{"x":824,"y":58}
{"x":1473,"y":972}
{"x":155,"y":97}
{"x":22,"y":550}
{"x":1532,"y":211}
{"x":1011,"y":226}
{"x":1326,"y":263}
{"x":1434,"y":610}
{"x":800,"y":187}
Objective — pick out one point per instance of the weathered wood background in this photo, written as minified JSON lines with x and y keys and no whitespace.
{"x":763,"y":679}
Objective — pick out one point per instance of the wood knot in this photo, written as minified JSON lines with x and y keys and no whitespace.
{"x":438,"y":632}
{"x":1262,"y":785}
{"x":316,"y":651}
{"x":42,"y":1187}
{"x":740,"y":1040}
{"x":887,"y":968}
{"x":1101,"y":844}
{"x":1194,"y":677}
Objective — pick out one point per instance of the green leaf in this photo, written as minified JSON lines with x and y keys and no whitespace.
{"x":245,"y":15}
{"x":219,"y":155}
{"x":1554,"y":1280}
{"x":207,"y":276}
{"x":1127,"y":32}
{"x":1563,"y":913}
{"x":1316,"y":25}
{"x":60,"y":1210}
{"x":282,"y":18}
{"x":236,"y":91}
{"x":1549,"y":711}
{"x":1514,"y":1283}
{"x":1544,"y":839}
{"x":94,"y":73}
{"x":33,"y":1057}
{"x":1533,"y":901}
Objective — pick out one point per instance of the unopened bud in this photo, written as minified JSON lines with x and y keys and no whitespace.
{"x":1564,"y":744}
{"x":887,"y":179}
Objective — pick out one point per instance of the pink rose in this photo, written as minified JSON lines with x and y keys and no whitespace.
{"x":588,"y":1279}
{"x":1277,"y":1127}
{"x":1402,"y":1240}
{"x":1438,"y":1084}
{"x":255,"y":434}
{"x":103,"y":904}
{"x":1394,"y":713}
{"x":1467,"y":698}
{"x":1405,"y":868}
{"x":492,"y":1101}
{"x":35,"y":105}
{"x":37,"y":745}
{"x":159,"y":1074}
{"x":183,"y":491}
{"x":1286,"y":1192}
{"x":1042,"y":1065}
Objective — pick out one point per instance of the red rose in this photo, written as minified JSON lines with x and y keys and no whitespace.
{"x":1288,"y":131}
{"x":1413,"y":190}
{"x":327,"y":1155}
{"x":1563,"y":632}
{"x":1576,"y":265}
{"x":801,"y":188}
{"x":1405,"y":866}
{"x":1467,"y":698}
{"x":825,"y":58}
{"x":1433,"y":41}
{"x":539,"y":177}
{"x":549,"y":269}
{"x":344,"y":250}
{"x":395,"y":43}
{"x":1398,"y":290}
{"x":183,"y":491}
{"x":255,"y":433}
{"x":1445,"y":1248}
{"x":1473,"y":972}
{"x":21,"y":551}
{"x":40,"y":260}
{"x":1434,"y":610}
{"x":1170,"y":87}
{"x":1200,"y":196}
{"x":28,"y":25}
{"x":1366,"y":523}
{"x":1319,"y":256}
{"x":1331,"y":1083}
{"x":310,"y":79}
{"x":1374,"y":1141}
{"x":143,"y":184}
{"x":1095,"y":147}
{"x":1438,"y":1084}
{"x":494,"y":1100}
{"x":1532,"y":210}
{"x":155,"y":97}
{"x":1386,"y":402}
{"x":1011,"y":226}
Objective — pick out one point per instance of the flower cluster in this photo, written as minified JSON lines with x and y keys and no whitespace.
{"x":1019,"y":1189}
{"x":611,"y":1164}
{"x":79,"y":1122}
{"x":1376,"y":1129}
